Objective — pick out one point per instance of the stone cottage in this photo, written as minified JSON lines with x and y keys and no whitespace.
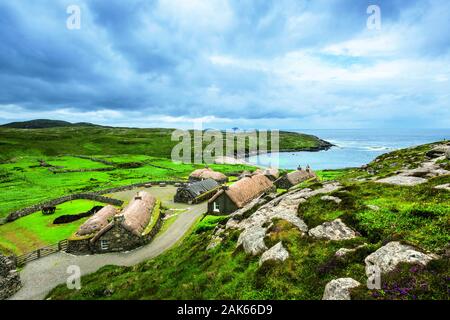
{"x":294,"y":178}
{"x":9,"y":278}
{"x":207,"y":173}
{"x":125,"y":232}
{"x":201,"y":190}
{"x":110,"y":231}
{"x":229,"y":199}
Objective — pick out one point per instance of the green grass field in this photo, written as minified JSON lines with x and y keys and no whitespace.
{"x":37,"y":230}
{"x":107,"y":141}
{"x":24,"y":183}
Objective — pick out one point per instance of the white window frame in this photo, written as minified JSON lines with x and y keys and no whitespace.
{"x":216,"y":207}
{"x":104,"y":244}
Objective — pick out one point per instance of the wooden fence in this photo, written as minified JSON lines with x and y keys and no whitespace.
{"x":41,"y":253}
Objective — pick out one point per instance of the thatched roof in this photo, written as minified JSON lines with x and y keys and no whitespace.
{"x":138,"y":213}
{"x":269,"y":172}
{"x":246,"y":189}
{"x":97,"y":221}
{"x":197,"y":188}
{"x":299,"y":176}
{"x":207,"y":173}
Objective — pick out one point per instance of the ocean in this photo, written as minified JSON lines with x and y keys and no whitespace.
{"x":354,"y":147}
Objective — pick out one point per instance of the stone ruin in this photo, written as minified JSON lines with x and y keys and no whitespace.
{"x":9,"y":278}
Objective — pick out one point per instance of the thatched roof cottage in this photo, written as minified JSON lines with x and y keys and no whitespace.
{"x":294,"y":178}
{"x":125,"y":231}
{"x":229,"y":199}
{"x":207,"y":173}
{"x":200,"y":190}
{"x":98,"y":221}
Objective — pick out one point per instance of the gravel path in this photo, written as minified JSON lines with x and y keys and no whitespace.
{"x":41,"y":276}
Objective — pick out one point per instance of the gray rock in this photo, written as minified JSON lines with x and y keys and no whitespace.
{"x":373,"y":207}
{"x":334,"y":230}
{"x":443,"y":187}
{"x":344,"y":251}
{"x":403,"y":180}
{"x":331,"y":198}
{"x":339,"y":289}
{"x":276,"y":253}
{"x":252,"y":239}
{"x":438,"y":151}
{"x":388,"y":257}
{"x":447,"y":154}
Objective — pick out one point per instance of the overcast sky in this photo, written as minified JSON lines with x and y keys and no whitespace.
{"x":287,"y":64}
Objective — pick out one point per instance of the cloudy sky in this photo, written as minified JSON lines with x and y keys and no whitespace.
{"x":247,"y":63}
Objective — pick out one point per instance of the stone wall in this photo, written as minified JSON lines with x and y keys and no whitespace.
{"x":79,"y":246}
{"x":88,"y":196}
{"x":95,"y":196}
{"x":9,"y":278}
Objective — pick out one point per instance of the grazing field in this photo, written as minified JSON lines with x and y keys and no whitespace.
{"x":74,"y":163}
{"x":37,"y":230}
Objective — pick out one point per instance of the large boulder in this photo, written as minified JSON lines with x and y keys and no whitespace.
{"x":388,"y":257}
{"x":339,"y":289}
{"x":438,"y":151}
{"x":447,"y":153}
{"x":252,"y":240}
{"x":334,"y":230}
{"x":402,"y":180}
{"x":276,"y":253}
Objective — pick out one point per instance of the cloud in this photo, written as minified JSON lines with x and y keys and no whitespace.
{"x":254,"y":63}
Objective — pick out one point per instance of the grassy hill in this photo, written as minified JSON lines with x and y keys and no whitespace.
{"x":45,"y":123}
{"x":417,"y":215}
{"x":95,"y":140}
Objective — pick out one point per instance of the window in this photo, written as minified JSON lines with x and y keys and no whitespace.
{"x":216,"y":207}
{"x":104,"y":244}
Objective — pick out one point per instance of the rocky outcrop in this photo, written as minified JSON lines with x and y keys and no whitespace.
{"x":403,"y":180}
{"x":388,"y":257}
{"x":334,"y":230}
{"x":438,"y":151}
{"x":284,"y":207}
{"x":447,"y":154}
{"x":276,"y":253}
{"x":412,"y":177}
{"x":252,"y":240}
{"x":331,"y":198}
{"x":339,"y":289}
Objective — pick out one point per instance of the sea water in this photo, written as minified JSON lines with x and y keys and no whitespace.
{"x":354,"y":147}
